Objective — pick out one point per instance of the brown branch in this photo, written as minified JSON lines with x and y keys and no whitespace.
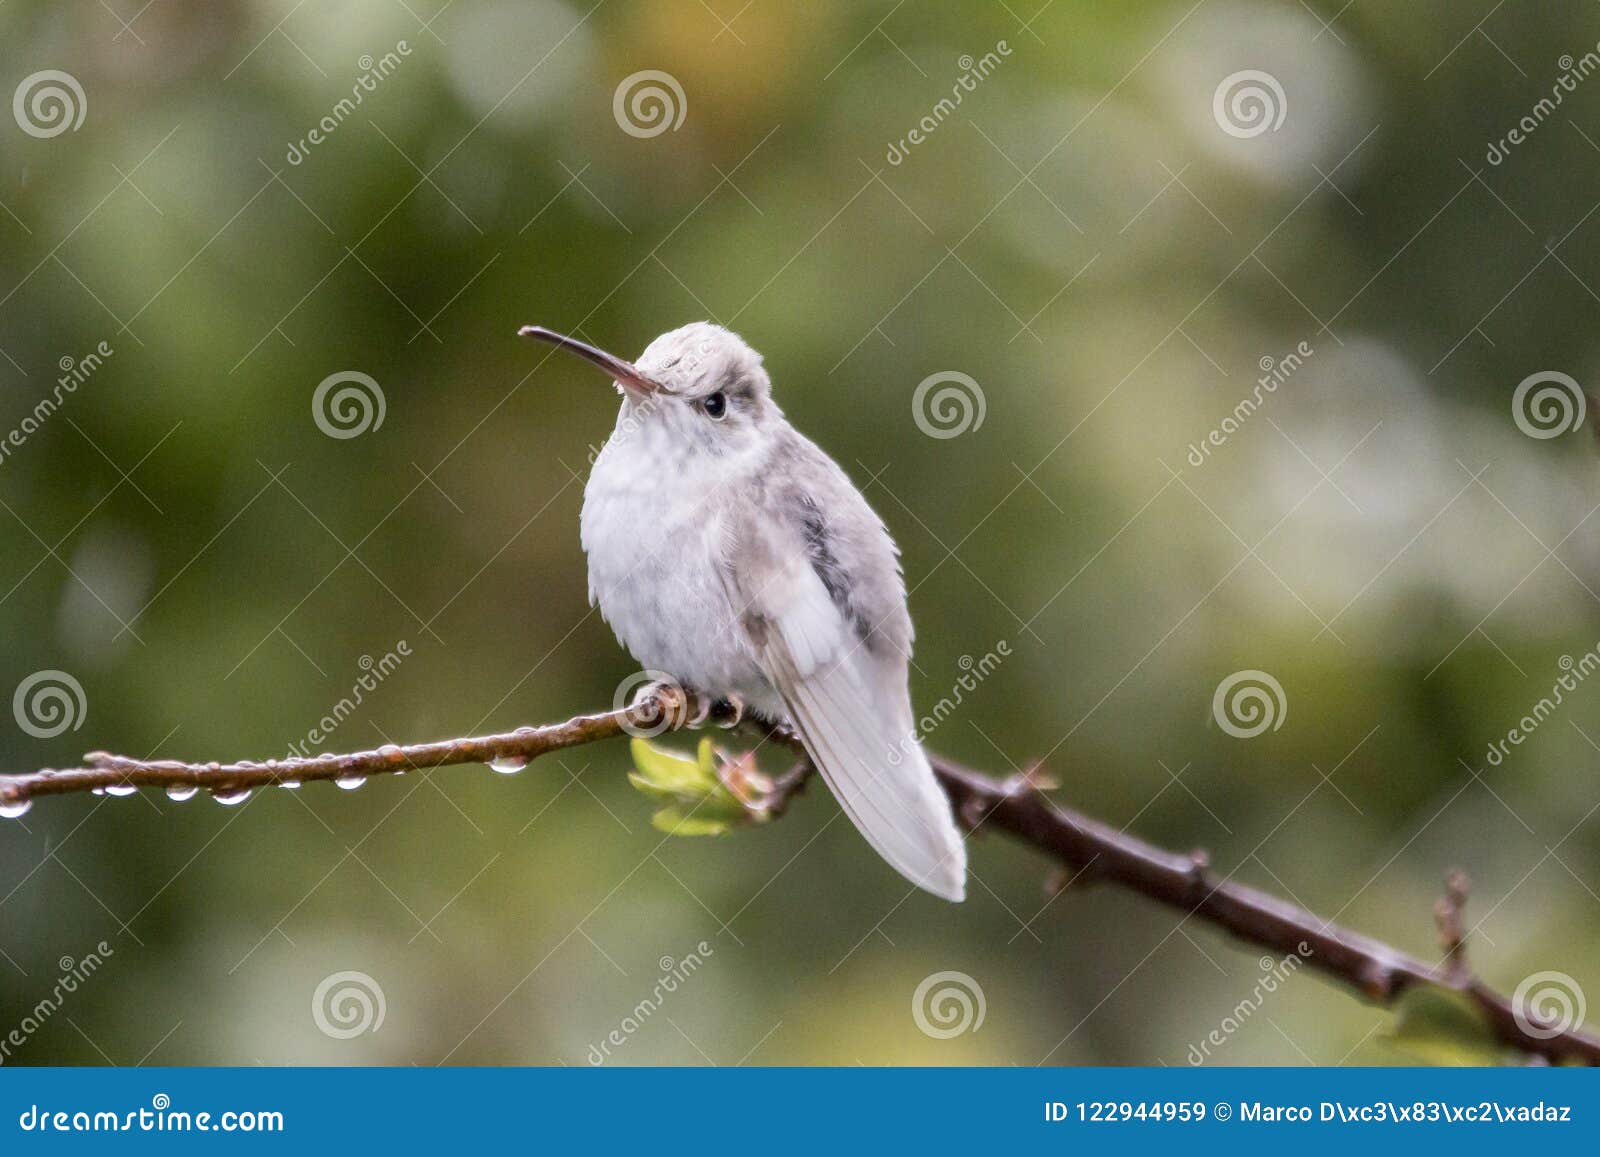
{"x":1186,"y":882}
{"x":1090,"y":850}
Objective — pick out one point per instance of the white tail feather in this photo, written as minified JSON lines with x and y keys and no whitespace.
{"x":897,"y":804}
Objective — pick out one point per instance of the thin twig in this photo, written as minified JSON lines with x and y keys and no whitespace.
{"x":1092,"y":851}
{"x":1447,"y":912}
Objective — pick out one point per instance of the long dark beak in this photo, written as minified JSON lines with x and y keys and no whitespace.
{"x":621,"y":372}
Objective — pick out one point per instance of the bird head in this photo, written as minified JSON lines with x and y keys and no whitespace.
{"x":698,"y":383}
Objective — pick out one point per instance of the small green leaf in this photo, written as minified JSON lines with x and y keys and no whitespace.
{"x":675,"y":822}
{"x":650,"y":787}
{"x":705,"y":759}
{"x":1443,"y":1027}
{"x":666,"y":773}
{"x":698,"y":802}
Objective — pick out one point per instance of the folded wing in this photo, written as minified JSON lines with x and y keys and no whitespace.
{"x":807,"y":612}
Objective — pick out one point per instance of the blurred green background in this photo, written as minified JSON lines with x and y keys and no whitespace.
{"x":1082,"y":236}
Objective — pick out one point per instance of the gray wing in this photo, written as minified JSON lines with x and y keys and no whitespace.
{"x":815,"y":578}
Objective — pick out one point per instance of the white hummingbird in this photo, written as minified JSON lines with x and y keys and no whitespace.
{"x":726,"y":549}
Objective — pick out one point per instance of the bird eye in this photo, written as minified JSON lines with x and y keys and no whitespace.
{"x":716,"y":406}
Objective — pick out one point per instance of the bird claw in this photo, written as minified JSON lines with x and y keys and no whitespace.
{"x":730,"y":712}
{"x":700,"y":716}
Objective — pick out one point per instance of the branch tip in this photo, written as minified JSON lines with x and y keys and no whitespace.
{"x":1447,"y":915}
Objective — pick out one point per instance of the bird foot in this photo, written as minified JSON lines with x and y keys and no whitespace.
{"x":669,"y":698}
